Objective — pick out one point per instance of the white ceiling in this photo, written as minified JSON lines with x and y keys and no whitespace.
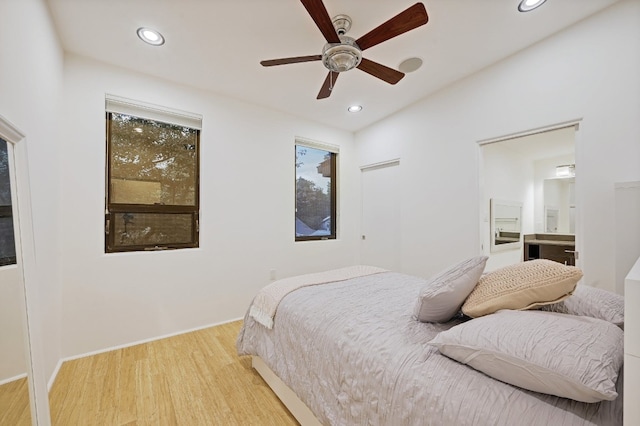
{"x":216,"y":45}
{"x":543,"y":145}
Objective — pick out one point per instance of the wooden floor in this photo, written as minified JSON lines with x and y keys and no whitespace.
{"x":14,"y":404}
{"x":191,"y":379}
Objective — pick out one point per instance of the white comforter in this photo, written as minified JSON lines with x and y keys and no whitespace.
{"x":354,"y":355}
{"x":266,"y":302}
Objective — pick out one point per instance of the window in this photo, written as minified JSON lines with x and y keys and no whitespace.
{"x":7,"y":236}
{"x":315,"y":191}
{"x":152,"y":200}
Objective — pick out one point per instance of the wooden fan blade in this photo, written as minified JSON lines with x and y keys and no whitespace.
{"x":295,"y":60}
{"x":322,"y":19}
{"x":328,"y":85}
{"x":387,"y":74}
{"x":411,"y":18}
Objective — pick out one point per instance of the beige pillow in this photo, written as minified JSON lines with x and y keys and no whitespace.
{"x":522,"y":286}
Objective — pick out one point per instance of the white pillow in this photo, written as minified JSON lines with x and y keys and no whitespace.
{"x":592,"y":302}
{"x":443,"y":294}
{"x":564,"y":355}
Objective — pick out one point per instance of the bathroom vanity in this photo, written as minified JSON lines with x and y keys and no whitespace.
{"x":557,"y":247}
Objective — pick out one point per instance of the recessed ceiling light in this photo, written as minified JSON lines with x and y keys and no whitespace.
{"x":150,"y":36}
{"x":355,"y":108}
{"x":527,"y":5}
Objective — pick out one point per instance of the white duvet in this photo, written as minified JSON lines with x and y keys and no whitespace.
{"x":354,"y":355}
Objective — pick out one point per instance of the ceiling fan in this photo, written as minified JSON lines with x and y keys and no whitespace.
{"x":343,"y":53}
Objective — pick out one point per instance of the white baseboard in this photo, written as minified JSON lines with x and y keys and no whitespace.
{"x":13,"y":379}
{"x":54,"y":375}
{"x":52,"y":379}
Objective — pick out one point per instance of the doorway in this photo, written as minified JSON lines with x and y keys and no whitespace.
{"x":16,"y":145}
{"x":380,"y":237}
{"x":537,"y":169}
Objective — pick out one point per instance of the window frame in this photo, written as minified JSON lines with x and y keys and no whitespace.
{"x":112,"y":209}
{"x":334,"y":151}
{"x":6,"y":211}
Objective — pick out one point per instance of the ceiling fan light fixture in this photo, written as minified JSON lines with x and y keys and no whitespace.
{"x":340,"y":57}
{"x":150,"y":36}
{"x":528,"y":5}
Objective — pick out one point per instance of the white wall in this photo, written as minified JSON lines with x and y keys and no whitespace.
{"x":508,"y":176}
{"x":588,"y":71}
{"x":627,"y":229}
{"x":546,"y":169}
{"x":30,"y":89}
{"x":12,"y":356}
{"x":246,"y":220}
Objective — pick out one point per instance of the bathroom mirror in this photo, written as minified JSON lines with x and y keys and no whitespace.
{"x":506,"y":224}
{"x":559,"y":206}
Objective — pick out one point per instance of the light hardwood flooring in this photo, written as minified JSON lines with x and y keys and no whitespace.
{"x":191,"y":379}
{"x":14,"y":404}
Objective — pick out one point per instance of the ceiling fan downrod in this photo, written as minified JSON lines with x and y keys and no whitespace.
{"x":343,"y":56}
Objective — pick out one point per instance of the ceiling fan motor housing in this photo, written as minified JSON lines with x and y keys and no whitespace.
{"x":343,"y":56}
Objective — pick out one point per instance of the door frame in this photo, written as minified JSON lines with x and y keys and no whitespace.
{"x":394,"y":162}
{"x":26,"y":260}
{"x":484,"y":219}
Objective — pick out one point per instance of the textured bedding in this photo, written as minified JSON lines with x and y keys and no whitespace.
{"x":354,"y":355}
{"x":266,"y":302}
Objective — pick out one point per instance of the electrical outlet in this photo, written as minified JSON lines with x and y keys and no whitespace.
{"x":272,"y":274}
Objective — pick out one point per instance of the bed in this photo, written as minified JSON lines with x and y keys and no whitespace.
{"x":351,"y":350}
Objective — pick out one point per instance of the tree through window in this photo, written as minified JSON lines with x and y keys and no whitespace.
{"x":7,"y":236}
{"x":153,"y":184}
{"x":315,"y":193}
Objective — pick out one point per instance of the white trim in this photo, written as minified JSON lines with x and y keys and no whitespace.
{"x":381,"y":164}
{"x":483,"y":215}
{"x":563,"y":125}
{"x":54,"y":375}
{"x":13,"y":379}
{"x":626,"y":185}
{"x":26,"y":261}
{"x":317,"y":145}
{"x":10,"y":266}
{"x":631,"y":412}
{"x":9,"y":132}
{"x":151,"y":339}
{"x":118,"y":104}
